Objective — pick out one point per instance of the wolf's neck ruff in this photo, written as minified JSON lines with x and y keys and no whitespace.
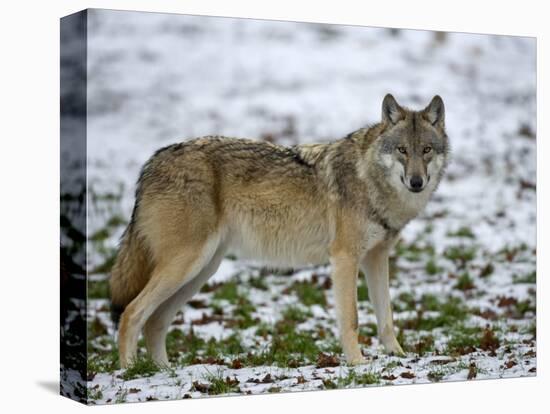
{"x":379,"y":218}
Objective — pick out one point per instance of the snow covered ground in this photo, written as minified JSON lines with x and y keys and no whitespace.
{"x":463,"y":276}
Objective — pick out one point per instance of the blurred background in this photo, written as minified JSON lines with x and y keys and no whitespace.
{"x":157,"y":79}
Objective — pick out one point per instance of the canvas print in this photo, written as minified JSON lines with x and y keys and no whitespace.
{"x":254,"y":206}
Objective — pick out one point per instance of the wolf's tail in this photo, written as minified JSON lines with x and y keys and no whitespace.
{"x":130,"y":273}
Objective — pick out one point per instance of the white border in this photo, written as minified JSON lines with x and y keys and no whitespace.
{"x":29,"y":171}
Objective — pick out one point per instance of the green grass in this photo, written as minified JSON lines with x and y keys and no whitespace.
{"x":100,"y":235}
{"x":98,"y":289}
{"x":368,"y":329}
{"x":430,"y":302}
{"x":116,"y":221}
{"x":264,"y":329}
{"x":228,"y":347}
{"x":531,"y":329}
{"x":109,"y":257}
{"x":141,"y":366}
{"x":188,"y":348}
{"x":415,"y":251}
{"x":487,"y":270}
{"x":121,"y":396}
{"x":102,"y":361}
{"x":514,"y":253}
{"x":184,"y":346}
{"x":392,"y":365}
{"x":296,"y":314}
{"x":353,"y":378}
{"x":107,"y":196}
{"x":362,"y":290}
{"x":405,"y":301}
{"x":450,"y":312}
{"x":464,"y":282}
{"x":422,"y":346}
{"x":243,"y":313}
{"x":228,"y":291}
{"x":432,"y":268}
{"x":96,"y":328}
{"x":258,"y":283}
{"x":463,"y":340}
{"x":289,"y":347}
{"x":527,"y":278}
{"x":460,"y":254}
{"x":465,"y":232}
{"x":525,"y":306}
{"x":95,"y":393}
{"x":439,"y":372}
{"x":466,"y":339}
{"x":218,"y":385}
{"x":436,"y":374}
{"x":309,"y":293}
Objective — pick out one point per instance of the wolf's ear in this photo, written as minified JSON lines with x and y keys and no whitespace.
{"x":434,"y":113}
{"x":391,"y":111}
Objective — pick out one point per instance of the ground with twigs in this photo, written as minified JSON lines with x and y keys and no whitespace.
{"x":463,"y":276}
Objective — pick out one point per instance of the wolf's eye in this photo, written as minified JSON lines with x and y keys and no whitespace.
{"x":427,"y":150}
{"x":402,"y":150}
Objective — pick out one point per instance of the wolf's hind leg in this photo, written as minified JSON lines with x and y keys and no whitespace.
{"x":344,"y":276}
{"x":157,"y":325}
{"x":375,"y":267}
{"x":167,"y":277}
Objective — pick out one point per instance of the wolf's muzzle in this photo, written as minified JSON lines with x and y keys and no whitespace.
{"x":416,"y":184}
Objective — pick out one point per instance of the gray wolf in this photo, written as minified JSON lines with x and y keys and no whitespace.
{"x":342,"y":203}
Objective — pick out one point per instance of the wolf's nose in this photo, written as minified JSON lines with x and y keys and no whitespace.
{"x":416,"y":182}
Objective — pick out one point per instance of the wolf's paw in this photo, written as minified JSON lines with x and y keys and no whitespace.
{"x":398,"y":353}
{"x":356,"y":359}
{"x":162,"y":363}
{"x":393,"y":348}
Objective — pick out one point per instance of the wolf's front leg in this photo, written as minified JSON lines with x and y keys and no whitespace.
{"x":344,"y":276}
{"x":375,"y":267}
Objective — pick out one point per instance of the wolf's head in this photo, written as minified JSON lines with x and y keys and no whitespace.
{"x":413,"y":148}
